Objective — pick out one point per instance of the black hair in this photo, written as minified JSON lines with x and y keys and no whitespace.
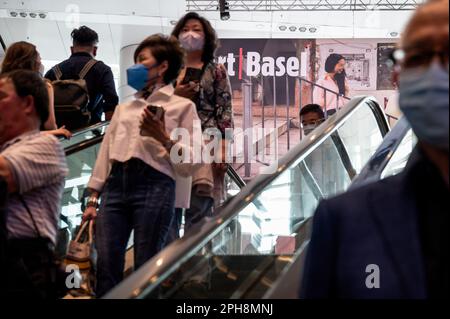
{"x":312,"y":108}
{"x":30,"y":83}
{"x":164,"y":48}
{"x":330,"y":64}
{"x":84,"y":37}
{"x":211,"y":41}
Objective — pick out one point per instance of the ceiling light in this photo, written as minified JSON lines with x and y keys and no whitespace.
{"x":302,"y":29}
{"x":260,"y":26}
{"x":393,"y":34}
{"x":293,"y":28}
{"x":312,"y":29}
{"x":33,"y":15}
{"x":13,"y":14}
{"x":173,"y":22}
{"x":224,"y":10}
{"x":42,"y":15}
{"x":23,"y":14}
{"x":282,"y":28}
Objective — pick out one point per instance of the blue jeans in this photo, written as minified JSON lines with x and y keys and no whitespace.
{"x":136,"y":197}
{"x":201,"y":206}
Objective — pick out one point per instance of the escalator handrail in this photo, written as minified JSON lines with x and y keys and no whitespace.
{"x":371,"y":172}
{"x":374,"y":168}
{"x":90,"y":128}
{"x":165,"y":262}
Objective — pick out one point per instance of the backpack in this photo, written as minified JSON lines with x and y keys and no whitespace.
{"x":72,"y":99}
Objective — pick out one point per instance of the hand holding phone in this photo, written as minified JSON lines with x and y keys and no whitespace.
{"x":152,"y":122}
{"x":157,"y":110}
{"x":192,"y":75}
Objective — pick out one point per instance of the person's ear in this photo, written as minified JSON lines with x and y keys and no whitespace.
{"x":94,"y":52}
{"x":28,"y":104}
{"x":71,"y":50}
{"x":164,"y":66}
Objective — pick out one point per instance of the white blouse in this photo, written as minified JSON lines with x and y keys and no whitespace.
{"x":331,"y":98}
{"x":123,"y":141}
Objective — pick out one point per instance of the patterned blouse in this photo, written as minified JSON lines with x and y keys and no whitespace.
{"x":214,"y":102}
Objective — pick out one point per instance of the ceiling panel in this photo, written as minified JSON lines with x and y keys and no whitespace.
{"x":44,"y":34}
{"x":135,"y":7}
{"x":125,"y":35}
{"x":4,"y":31}
{"x":106,"y":48}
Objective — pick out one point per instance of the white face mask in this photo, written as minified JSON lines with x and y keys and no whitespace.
{"x":192,"y":41}
{"x":307,"y":129}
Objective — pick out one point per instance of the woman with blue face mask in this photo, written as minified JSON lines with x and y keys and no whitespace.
{"x":135,"y":172}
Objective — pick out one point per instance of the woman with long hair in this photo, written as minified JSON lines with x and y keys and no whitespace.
{"x":206,"y":83}
{"x":24,"y":55}
{"x":334,"y":80}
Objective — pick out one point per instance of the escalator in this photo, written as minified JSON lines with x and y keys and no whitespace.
{"x":81,"y":153}
{"x":251,"y":244}
{"x":389,"y":159}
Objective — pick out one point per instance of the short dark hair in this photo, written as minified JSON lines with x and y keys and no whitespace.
{"x":31,"y":83}
{"x":164,"y":48}
{"x":211,"y":41}
{"x":312,"y":108}
{"x":84,"y":37}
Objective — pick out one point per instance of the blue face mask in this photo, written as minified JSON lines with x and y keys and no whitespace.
{"x":137,"y":76}
{"x":424,"y":102}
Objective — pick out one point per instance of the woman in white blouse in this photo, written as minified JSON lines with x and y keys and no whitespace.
{"x":335,"y":81}
{"x":134,"y":172}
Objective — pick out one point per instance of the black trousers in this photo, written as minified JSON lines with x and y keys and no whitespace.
{"x":31,"y":270}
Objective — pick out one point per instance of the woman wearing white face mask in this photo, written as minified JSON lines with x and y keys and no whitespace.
{"x":206,"y":83}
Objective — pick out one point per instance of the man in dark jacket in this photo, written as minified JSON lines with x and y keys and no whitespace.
{"x":390,"y":239}
{"x":99,"y":80}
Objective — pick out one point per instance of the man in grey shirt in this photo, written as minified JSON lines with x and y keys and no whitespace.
{"x":34,"y":167}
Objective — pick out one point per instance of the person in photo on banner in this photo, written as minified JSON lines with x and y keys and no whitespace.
{"x":335,"y":80}
{"x":389,"y":239}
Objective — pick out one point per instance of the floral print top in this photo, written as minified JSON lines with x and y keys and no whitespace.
{"x":214,"y":101}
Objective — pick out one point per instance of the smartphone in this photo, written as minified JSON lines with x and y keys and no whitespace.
{"x":192,"y":75}
{"x":157,"y":110}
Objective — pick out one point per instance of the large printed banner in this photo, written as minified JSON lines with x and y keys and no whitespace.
{"x":274,"y":64}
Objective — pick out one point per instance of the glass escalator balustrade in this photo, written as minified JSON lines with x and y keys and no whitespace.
{"x":253,"y":248}
{"x":81,"y":164}
{"x":400,"y":157}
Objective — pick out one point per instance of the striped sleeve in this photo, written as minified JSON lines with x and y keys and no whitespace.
{"x":37,"y":162}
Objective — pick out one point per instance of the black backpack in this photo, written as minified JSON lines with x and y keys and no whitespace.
{"x":72,"y":99}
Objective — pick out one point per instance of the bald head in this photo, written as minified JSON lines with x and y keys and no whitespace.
{"x":426,"y":35}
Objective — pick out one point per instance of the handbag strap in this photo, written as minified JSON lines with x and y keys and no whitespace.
{"x":83,"y":228}
{"x":24,"y":203}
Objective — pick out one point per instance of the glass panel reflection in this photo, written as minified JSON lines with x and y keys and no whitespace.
{"x":251,"y":251}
